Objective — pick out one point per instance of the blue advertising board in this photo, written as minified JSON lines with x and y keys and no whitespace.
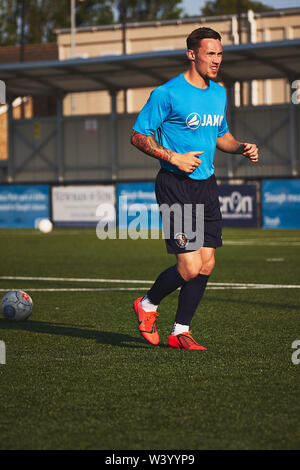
{"x":137,"y":206}
{"x":22,"y":206}
{"x":281,"y":204}
{"x":238,"y":205}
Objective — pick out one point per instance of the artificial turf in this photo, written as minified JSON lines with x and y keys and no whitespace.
{"x":79,"y":376}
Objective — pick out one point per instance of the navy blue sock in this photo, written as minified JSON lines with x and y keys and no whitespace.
{"x":190,"y":295}
{"x":167,"y":282}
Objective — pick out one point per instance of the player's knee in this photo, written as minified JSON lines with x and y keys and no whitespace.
{"x":189,"y":272}
{"x":208,"y":267}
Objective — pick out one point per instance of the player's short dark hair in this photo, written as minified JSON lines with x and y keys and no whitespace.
{"x":193,"y":41}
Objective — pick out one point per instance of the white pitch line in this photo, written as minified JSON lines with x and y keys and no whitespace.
{"x":127,"y":289}
{"x":74,"y":289}
{"x":73,"y":279}
{"x":260,"y":243}
{"x":138,"y":281}
{"x":254,"y":286}
{"x":211,"y":285}
{"x":116,"y":289}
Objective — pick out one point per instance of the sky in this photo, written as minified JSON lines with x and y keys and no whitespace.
{"x":193,"y":7}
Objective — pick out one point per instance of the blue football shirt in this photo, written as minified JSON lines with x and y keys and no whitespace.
{"x":186,"y":118}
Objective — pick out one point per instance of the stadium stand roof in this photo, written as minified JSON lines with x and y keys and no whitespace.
{"x":243,"y":62}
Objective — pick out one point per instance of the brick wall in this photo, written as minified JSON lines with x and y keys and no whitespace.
{"x":32,"y":53}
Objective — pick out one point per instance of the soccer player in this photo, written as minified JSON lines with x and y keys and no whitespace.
{"x":182,"y":123}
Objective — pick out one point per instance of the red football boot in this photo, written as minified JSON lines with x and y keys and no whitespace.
{"x":147,"y":322}
{"x":184,"y":341}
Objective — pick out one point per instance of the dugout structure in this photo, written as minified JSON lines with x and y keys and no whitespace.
{"x":70,"y":149}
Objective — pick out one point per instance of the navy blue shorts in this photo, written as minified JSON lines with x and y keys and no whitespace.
{"x":183,"y":191}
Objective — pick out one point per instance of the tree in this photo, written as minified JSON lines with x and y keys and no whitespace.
{"x":8,"y":22}
{"x":151,"y":10}
{"x":40,"y":18}
{"x":227,"y":7}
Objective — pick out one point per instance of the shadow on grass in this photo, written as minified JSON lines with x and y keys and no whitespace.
{"x":62,"y":329}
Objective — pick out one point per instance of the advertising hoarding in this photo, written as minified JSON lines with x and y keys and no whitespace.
{"x":137,"y":204}
{"x":281,"y":204}
{"x":238,"y":205}
{"x":22,"y":206}
{"x":78,"y":206}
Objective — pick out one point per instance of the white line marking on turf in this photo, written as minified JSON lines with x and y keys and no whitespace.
{"x":73,"y":279}
{"x":254,"y":286}
{"x":115,"y":289}
{"x":260,"y":243}
{"x":74,"y":289}
{"x":211,"y":285}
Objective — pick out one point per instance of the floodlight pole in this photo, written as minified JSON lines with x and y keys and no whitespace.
{"x":22,"y":32}
{"x":73,"y":40}
{"x":73,"y":27}
{"x":22,"y":45}
{"x":123,"y":21}
{"x":239,"y":13}
{"x":73,"y":44}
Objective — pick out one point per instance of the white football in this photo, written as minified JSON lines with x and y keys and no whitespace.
{"x":45,"y":225}
{"x":16,"y":305}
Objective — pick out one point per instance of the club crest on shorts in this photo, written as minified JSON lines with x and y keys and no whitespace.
{"x":181,"y":240}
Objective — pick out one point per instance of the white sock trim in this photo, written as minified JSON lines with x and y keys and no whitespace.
{"x":178,"y":328}
{"x":147,"y":305}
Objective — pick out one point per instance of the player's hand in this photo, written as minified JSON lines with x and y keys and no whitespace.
{"x":188,"y":162}
{"x":251,"y":151}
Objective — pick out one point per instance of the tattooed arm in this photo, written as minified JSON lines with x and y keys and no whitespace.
{"x":149,"y":145}
{"x":187,"y":162}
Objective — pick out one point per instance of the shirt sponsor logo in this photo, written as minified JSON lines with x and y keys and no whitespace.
{"x":194,"y":120}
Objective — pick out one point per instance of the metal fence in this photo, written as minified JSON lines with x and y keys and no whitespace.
{"x":97,"y":148}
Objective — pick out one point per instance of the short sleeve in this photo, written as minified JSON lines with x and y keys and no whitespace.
{"x":154,"y":113}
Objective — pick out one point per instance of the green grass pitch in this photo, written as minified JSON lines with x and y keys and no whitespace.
{"x":79,"y":376}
